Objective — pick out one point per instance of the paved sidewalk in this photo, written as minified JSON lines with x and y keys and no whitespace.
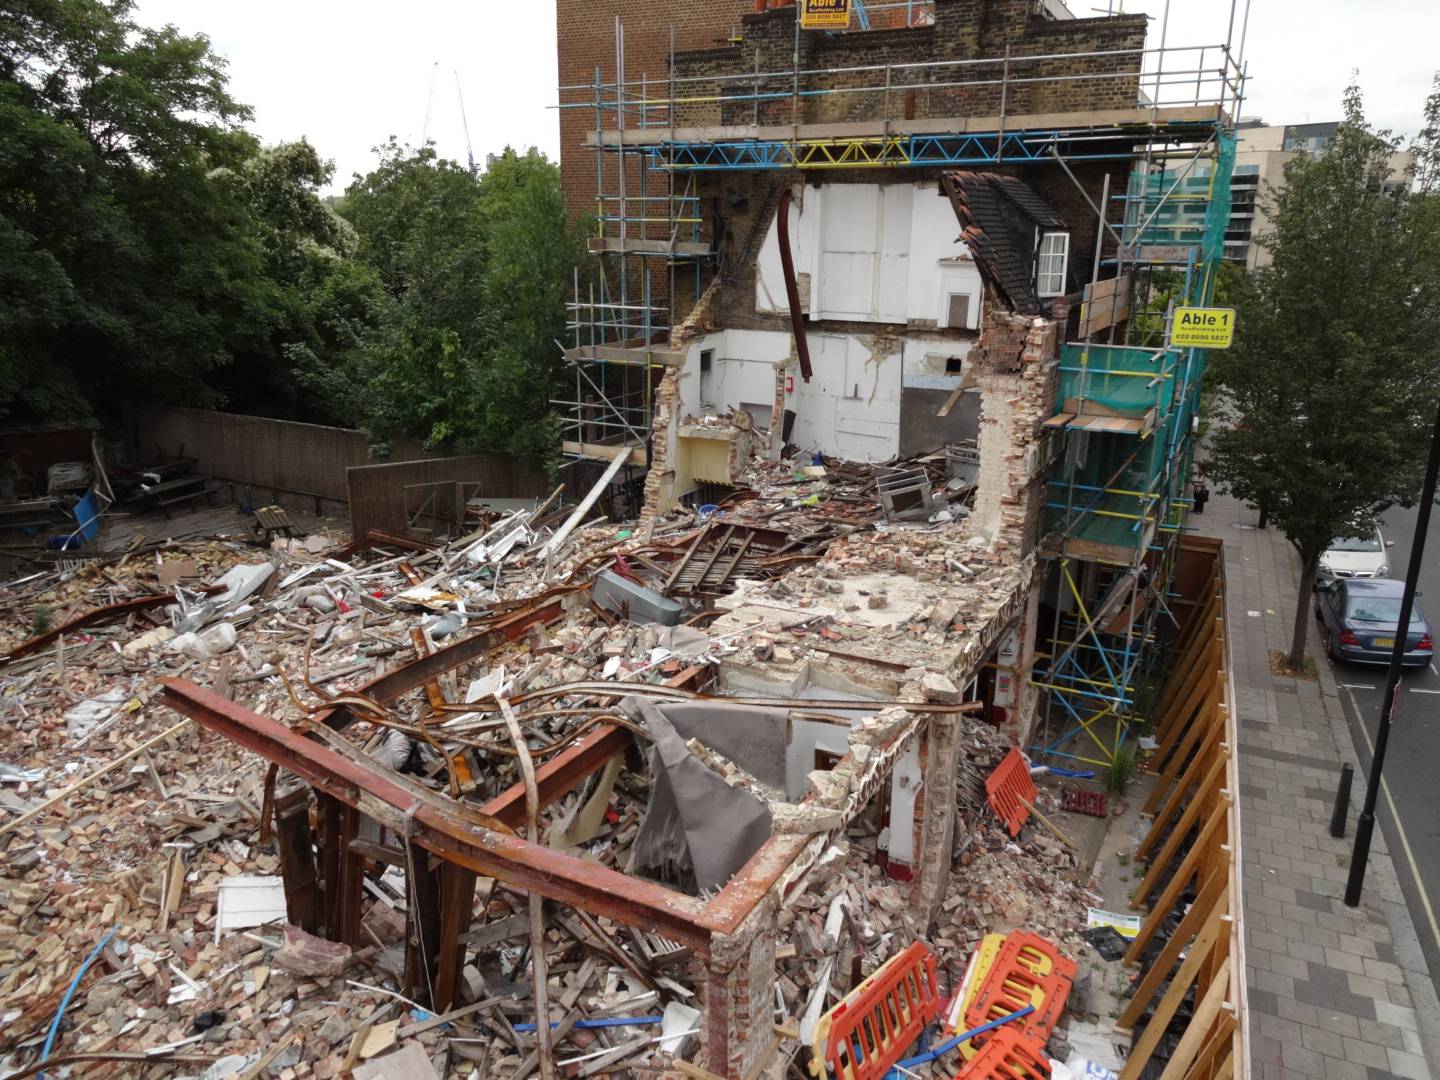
{"x":1334,"y":993}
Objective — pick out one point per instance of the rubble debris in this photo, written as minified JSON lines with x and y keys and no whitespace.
{"x":799,"y":572}
{"x":306,"y":954}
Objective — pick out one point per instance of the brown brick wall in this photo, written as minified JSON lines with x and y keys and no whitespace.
{"x":585,"y":37}
{"x":964,"y":30}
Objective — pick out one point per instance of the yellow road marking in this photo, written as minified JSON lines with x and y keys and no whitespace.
{"x":1399,"y":825}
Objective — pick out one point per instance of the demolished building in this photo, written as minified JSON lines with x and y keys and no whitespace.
{"x":876,"y":339}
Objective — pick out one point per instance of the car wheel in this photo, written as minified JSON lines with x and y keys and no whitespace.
{"x":1330,"y":647}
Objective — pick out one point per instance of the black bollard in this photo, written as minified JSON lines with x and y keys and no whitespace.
{"x":1342,"y":803}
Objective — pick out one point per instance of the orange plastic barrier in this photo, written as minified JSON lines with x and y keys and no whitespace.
{"x":1027,"y":971}
{"x":1009,"y":1053}
{"x":1007,"y":786}
{"x":871,"y":1029}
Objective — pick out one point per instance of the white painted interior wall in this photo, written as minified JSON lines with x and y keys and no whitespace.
{"x":871,"y":253}
{"x":867,"y":253}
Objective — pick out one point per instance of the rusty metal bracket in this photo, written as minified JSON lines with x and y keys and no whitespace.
{"x":439,"y":825}
{"x":89,"y":618}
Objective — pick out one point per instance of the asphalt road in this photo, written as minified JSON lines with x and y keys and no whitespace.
{"x":1408,"y":807}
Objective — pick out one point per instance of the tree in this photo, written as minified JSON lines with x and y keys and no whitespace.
{"x":109,"y":230}
{"x":1331,"y":383}
{"x":475,"y":271}
{"x":155,"y":250}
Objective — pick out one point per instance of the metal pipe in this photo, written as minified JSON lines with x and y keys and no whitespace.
{"x":1365,"y":826}
{"x":926,"y":64}
{"x":792,"y":288}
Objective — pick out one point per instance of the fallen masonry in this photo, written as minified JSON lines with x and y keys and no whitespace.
{"x":431,"y":789}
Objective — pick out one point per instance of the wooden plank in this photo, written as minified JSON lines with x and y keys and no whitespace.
{"x":1179,"y":987}
{"x":1105,"y":304}
{"x":1159,"y":970}
{"x":636,"y":355}
{"x":950,"y":401}
{"x":1187,"y":867}
{"x":599,"y":244}
{"x":601,"y":451}
{"x":1205,"y":1013}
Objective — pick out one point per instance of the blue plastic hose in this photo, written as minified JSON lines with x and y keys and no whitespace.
{"x":950,"y":1044}
{"x":69,"y":993}
{"x":610,"y":1021}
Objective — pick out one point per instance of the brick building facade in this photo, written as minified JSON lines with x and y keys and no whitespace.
{"x":585,"y":39}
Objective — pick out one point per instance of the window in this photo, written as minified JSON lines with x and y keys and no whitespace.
{"x":707,"y":363}
{"x":1050,"y":264}
{"x":957,"y":313}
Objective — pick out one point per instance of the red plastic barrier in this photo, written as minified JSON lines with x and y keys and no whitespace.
{"x":1078,"y":800}
{"x":1009,"y":1053}
{"x":1007,"y":786}
{"x":1027,"y":971}
{"x":873,"y":1027}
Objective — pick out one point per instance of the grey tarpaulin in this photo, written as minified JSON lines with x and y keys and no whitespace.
{"x":696,"y":823}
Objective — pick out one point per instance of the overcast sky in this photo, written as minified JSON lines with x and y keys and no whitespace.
{"x":348,"y":74}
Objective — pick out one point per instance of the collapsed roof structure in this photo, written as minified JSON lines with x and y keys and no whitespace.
{"x":873,"y":345}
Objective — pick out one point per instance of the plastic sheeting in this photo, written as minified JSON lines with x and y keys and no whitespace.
{"x":696,"y":825}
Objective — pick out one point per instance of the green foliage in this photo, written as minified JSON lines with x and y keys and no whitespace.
{"x":1120,"y":773}
{"x":474,"y":272}
{"x":158,"y":252}
{"x":40,"y":620}
{"x":151,"y":249}
{"x":1329,"y":392}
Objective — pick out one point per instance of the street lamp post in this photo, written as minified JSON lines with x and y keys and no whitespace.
{"x":1366,"y":825}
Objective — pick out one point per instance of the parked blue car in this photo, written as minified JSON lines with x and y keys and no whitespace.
{"x":1359,"y":619}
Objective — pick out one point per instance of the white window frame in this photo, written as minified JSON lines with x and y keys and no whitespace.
{"x":1050,"y":264}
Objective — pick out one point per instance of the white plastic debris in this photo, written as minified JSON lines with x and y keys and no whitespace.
{"x":249,"y":900}
{"x":679,"y":1020}
{"x":84,"y":718}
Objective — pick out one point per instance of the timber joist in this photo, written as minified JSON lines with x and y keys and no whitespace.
{"x":1192,"y":849}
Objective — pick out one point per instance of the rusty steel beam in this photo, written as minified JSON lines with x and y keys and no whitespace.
{"x":373,"y":791}
{"x":406,"y":543}
{"x":546,"y":608}
{"x":792,"y":289}
{"x":89,"y":618}
{"x":568,"y":769}
{"x":407,"y":677}
{"x":562,"y":773}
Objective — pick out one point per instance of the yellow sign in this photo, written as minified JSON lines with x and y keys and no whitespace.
{"x":1203,"y":327}
{"x":825,"y":14}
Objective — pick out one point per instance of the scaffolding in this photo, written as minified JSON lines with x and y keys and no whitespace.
{"x":1128,"y":399}
{"x":1118,"y":500}
{"x":653,"y":139}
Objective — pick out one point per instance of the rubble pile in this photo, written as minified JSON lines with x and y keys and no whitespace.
{"x":116,"y":813}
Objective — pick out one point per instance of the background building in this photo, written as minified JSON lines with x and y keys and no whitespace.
{"x":1262,"y":151}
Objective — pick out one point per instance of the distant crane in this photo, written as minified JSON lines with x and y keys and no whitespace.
{"x":429,"y":101}
{"x":469,"y":150}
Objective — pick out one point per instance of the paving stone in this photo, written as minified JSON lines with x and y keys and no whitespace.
{"x":1367,"y":1054}
{"x":1341,"y":1069}
{"x":1326,"y":1042}
{"x":1381,"y":1034}
{"x":1328,"y":997}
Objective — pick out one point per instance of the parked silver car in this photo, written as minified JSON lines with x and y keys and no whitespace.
{"x":1356,"y":557}
{"x":1359,"y":621}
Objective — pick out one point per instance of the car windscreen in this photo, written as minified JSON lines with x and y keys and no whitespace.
{"x":1357,"y":543}
{"x":1379,"y":609}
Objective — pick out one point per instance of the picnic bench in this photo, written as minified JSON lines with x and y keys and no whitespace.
{"x":167,"y":493}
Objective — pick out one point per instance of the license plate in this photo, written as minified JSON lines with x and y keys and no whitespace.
{"x":1384,"y":642}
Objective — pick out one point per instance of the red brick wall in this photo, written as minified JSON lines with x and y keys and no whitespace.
{"x":585,"y":36}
